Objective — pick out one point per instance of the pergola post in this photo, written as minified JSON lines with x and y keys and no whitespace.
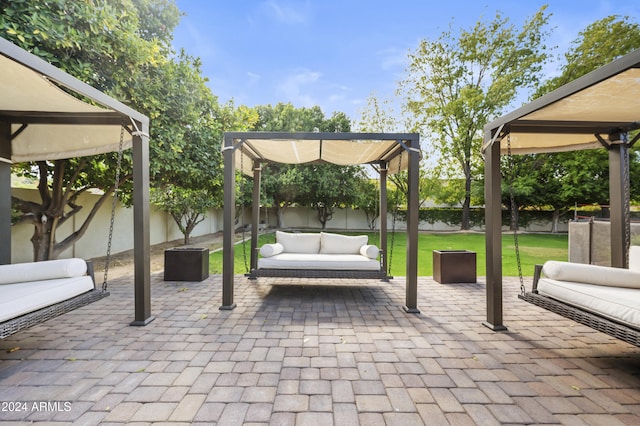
{"x":255,"y":214}
{"x":228,"y":220}
{"x":619,"y":198}
{"x":383,"y":217}
{"x":5,"y":193}
{"x":141,"y":245}
{"x":413,"y":201}
{"x":493,"y":234}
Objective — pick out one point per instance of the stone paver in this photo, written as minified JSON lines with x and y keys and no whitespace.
{"x":315,"y":352}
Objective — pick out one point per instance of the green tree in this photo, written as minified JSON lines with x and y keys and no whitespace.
{"x":107,"y":45}
{"x":457,"y":83}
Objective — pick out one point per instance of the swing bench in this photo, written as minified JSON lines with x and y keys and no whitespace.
{"x":34,"y":292}
{"x":604,"y":298}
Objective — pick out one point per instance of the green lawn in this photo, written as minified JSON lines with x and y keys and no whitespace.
{"x":534,"y":248}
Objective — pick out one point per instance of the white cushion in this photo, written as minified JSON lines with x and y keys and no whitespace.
{"x":341,"y":244}
{"x":591,"y":274}
{"x":45,"y":270}
{"x":22,"y":298}
{"x":622,"y":304}
{"x":634,"y":258}
{"x":319,"y":261}
{"x":370,"y":251}
{"x":299,"y":242}
{"x":269,"y":250}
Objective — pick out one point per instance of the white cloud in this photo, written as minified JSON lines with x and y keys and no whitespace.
{"x":297,"y":87}
{"x":392,"y":58}
{"x":253,"y":78}
{"x":292,"y":13}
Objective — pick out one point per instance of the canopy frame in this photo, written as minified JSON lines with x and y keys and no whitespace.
{"x":571,"y":132}
{"x":408,"y":143}
{"x":113,"y":113}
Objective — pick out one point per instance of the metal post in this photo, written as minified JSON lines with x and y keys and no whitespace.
{"x":228,"y":223}
{"x":5,"y":193}
{"x":383,"y":218}
{"x":141,"y":244}
{"x":619,"y":198}
{"x":413,"y":202}
{"x":493,"y":236}
{"x":255,"y":214}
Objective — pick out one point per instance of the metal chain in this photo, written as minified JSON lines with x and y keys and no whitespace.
{"x":113,"y":209}
{"x":244,"y":241}
{"x":626,"y":205}
{"x":393,"y":220}
{"x":514,"y":217}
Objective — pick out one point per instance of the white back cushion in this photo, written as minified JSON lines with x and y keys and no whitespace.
{"x":634,"y":258}
{"x":45,"y":270}
{"x":299,"y":243}
{"x":591,"y":274}
{"x":341,"y":244}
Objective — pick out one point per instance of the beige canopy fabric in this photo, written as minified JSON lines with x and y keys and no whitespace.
{"x":301,"y":148}
{"x":600,"y":103}
{"x":58,"y":125}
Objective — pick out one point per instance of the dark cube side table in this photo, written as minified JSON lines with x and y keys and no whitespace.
{"x":454,"y":266}
{"x":186,"y":264}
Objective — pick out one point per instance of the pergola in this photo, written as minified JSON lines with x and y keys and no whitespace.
{"x":40,"y":120}
{"x":597,"y":110}
{"x":246,"y":151}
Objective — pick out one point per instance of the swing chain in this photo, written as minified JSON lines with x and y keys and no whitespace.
{"x":113,"y":209}
{"x":244,"y":245}
{"x":514,"y":218}
{"x":626,"y":205}
{"x":394,"y":218}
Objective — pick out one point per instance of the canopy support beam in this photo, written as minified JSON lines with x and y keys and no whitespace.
{"x":619,"y":198}
{"x":141,"y":226}
{"x":384,"y":171}
{"x":5,"y":192}
{"x":493,"y":239}
{"x":228,"y":221}
{"x":413,"y":218}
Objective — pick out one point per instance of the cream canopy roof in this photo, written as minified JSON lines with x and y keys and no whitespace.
{"x":46,"y":122}
{"x":336,"y":148}
{"x":602,"y":102}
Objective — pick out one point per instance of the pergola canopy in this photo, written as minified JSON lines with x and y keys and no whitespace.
{"x":300,"y":148}
{"x":41,"y":120}
{"x":47,"y":123}
{"x":569,"y":118}
{"x":596,"y":110}
{"x":392,"y":152}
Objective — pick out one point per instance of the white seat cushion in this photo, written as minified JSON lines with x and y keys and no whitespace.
{"x":22,"y":298}
{"x":342,"y":262}
{"x":621,"y":304}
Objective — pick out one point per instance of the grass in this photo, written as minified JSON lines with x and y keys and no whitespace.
{"x":534,"y":248}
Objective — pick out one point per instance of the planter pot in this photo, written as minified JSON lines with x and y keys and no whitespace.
{"x":454,"y":266}
{"x":186,"y":264}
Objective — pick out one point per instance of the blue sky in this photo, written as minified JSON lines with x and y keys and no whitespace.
{"x":335,"y":53}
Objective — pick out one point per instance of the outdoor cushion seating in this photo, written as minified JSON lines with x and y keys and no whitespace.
{"x":319,"y":251}
{"x":613,"y":293}
{"x":603,"y":298}
{"x":28,"y":287}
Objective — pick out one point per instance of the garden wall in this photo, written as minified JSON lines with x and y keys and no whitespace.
{"x":163,"y":228}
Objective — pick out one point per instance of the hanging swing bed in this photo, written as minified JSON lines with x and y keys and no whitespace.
{"x":390,"y":153}
{"x":40,"y":121}
{"x":598,"y":110}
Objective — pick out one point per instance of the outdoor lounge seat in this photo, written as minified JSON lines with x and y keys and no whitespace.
{"x":602,"y":297}
{"x":320,"y":255}
{"x":33,"y":292}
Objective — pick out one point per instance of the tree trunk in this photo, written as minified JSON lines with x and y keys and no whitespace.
{"x":555,"y":220}
{"x":466,"y":204}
